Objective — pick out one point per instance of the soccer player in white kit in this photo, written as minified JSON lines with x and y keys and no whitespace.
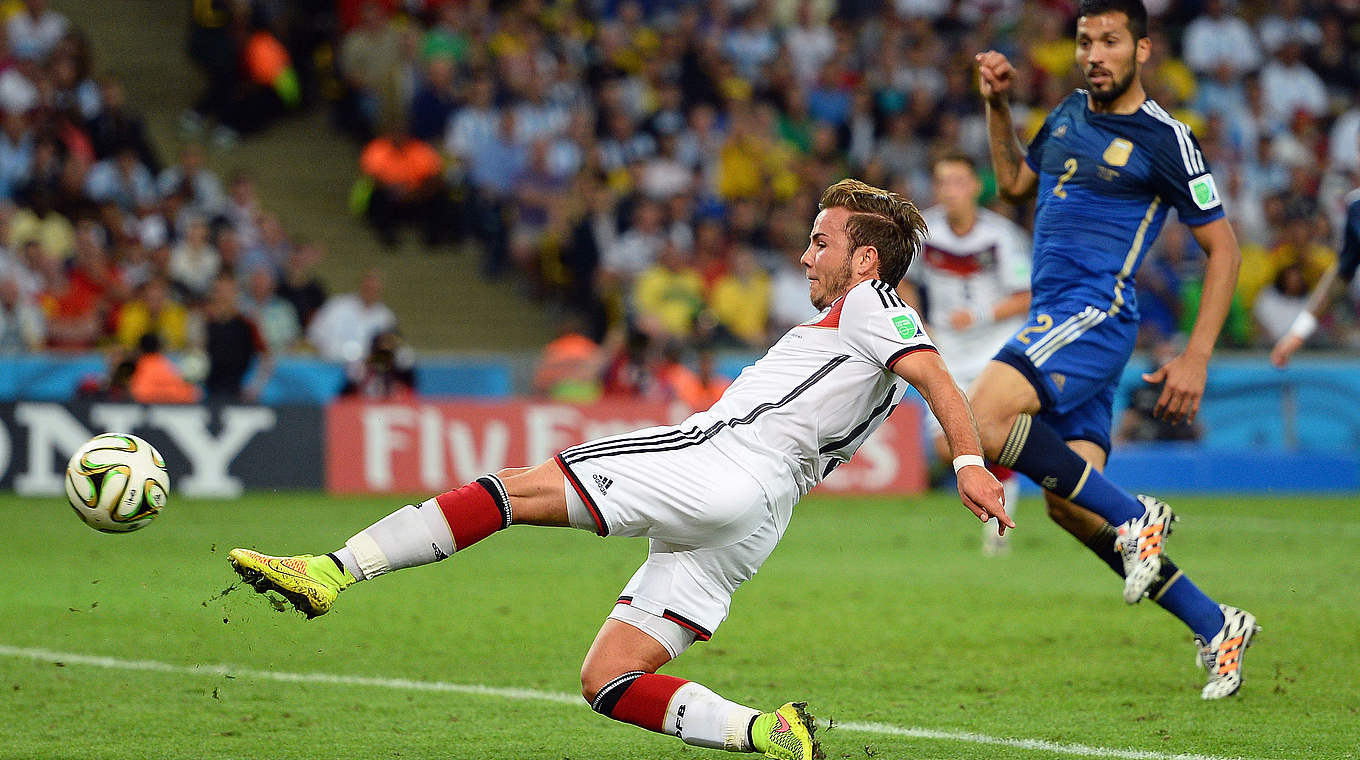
{"x":974,"y":271}
{"x":713,"y":493}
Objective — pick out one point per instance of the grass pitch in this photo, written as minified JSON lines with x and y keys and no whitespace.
{"x":880,"y":612}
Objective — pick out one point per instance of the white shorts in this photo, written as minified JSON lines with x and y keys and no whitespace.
{"x":711,"y":523}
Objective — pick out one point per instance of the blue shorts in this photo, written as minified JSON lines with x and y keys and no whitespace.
{"x":1074,"y":360}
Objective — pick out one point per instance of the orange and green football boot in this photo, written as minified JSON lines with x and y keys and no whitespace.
{"x":310,"y":583}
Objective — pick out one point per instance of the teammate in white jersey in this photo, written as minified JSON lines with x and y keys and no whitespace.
{"x":714,"y":493}
{"x":974,"y":271}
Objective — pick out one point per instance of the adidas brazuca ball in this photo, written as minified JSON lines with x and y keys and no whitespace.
{"x":117,"y":482}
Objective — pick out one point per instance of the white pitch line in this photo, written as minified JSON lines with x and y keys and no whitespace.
{"x":405,"y":684}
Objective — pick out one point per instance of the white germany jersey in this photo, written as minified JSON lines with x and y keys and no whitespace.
{"x":964,"y":272}
{"x":808,"y":404}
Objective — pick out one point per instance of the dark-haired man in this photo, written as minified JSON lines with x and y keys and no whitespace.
{"x":1106,"y":167}
{"x":713,"y":494}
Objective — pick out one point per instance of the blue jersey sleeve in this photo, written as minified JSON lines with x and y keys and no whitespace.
{"x":1036,"y":146}
{"x":1349,"y":260}
{"x":1183,"y":178}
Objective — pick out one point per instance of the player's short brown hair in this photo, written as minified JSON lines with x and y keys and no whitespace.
{"x":882,"y":219}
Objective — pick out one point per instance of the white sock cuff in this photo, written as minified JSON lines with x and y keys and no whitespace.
{"x":368,"y":554}
{"x":738,"y":721}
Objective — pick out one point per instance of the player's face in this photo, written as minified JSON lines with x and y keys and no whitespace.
{"x":956,"y":186}
{"x":827,"y":258}
{"x":1107,"y":55}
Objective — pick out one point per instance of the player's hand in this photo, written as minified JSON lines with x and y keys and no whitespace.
{"x":995,"y":75}
{"x":983,"y":495}
{"x":960,"y":319}
{"x":1284,"y":349}
{"x":1184,"y":376}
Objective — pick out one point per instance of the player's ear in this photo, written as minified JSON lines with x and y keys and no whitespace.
{"x":1142,"y":50}
{"x":865,"y":259}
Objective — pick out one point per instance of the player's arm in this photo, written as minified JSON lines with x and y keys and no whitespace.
{"x":1015,"y":180}
{"x":1013,"y":305}
{"x":978,"y":490}
{"x":1331,"y":284}
{"x":1186,"y":374}
{"x":1306,"y":322}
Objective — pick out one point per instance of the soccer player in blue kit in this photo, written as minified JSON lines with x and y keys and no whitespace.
{"x":1106,"y":167}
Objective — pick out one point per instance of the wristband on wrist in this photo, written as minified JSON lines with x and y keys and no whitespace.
{"x":1304,"y":325}
{"x":964,"y":460}
{"x":983,"y":315}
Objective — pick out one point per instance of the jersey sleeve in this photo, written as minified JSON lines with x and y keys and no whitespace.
{"x":1183,"y":179}
{"x":1349,"y":259}
{"x":880,"y":326}
{"x":1036,"y":146}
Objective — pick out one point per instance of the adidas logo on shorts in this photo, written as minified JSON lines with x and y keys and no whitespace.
{"x":602,"y":483}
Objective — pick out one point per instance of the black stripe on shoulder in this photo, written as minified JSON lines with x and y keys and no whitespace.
{"x":900,"y":354}
{"x":881,"y":298}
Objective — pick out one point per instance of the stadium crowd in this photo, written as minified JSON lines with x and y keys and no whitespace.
{"x":651,"y":167}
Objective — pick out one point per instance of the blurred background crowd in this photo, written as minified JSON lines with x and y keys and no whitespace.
{"x":644,"y":171}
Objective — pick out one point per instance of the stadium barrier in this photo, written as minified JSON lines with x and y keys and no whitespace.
{"x":213,"y":450}
{"x":424,"y":447}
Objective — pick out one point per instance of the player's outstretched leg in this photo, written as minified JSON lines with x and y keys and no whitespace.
{"x":1222,"y":654}
{"x":411,"y":536}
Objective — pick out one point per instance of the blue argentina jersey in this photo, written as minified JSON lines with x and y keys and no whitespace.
{"x":1106,"y":182}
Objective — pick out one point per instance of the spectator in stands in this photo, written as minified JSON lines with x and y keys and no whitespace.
{"x":155,"y":379}
{"x":637,"y":249}
{"x":81,"y":302}
{"x":408,"y":184}
{"x":233,"y":345}
{"x":740,"y":300}
{"x":34,"y":30}
{"x":344,"y":328}
{"x":1286,"y":22}
{"x":435,"y":100}
{"x":40,"y":224}
{"x":668,"y":296}
{"x":30,"y":270}
{"x":194,"y":262}
{"x":1289,"y":86}
{"x":271,"y":250}
{"x":492,"y":168}
{"x":118,"y":127}
{"x":571,"y":365}
{"x":16,"y":153}
{"x":200,"y":186}
{"x":370,"y":67}
{"x":1278,"y":304}
{"x":1219,"y":44}
{"x":697,"y":389}
{"x":387,"y":372}
{"x":300,"y":285}
{"x":122,"y":180}
{"x":22,"y":326}
{"x":276,"y":318}
{"x":154,"y":311}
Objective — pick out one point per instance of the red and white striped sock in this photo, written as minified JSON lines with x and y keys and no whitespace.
{"x":670,"y":705}
{"x":438,"y":527}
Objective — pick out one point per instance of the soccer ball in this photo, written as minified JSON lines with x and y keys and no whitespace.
{"x":117,"y":482}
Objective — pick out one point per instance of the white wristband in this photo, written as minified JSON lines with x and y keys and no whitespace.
{"x":983,"y":315}
{"x":1304,"y":325}
{"x":964,"y":460}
